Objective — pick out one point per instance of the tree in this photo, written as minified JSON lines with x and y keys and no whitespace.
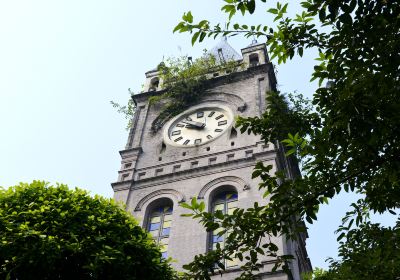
{"x":51,"y":232}
{"x":348,"y":140}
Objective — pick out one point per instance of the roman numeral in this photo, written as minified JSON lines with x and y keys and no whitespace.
{"x":186,"y":142}
{"x":220,"y":116}
{"x":197,"y":141}
{"x":218,"y":130}
{"x":180,"y":125}
{"x":178,"y":139}
{"x":209,"y":137}
{"x":222,"y":122}
{"x":211,"y":114}
{"x":200,"y":114}
{"x":176,"y":132}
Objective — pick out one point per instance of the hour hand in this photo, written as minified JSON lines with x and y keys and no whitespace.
{"x":193,"y":124}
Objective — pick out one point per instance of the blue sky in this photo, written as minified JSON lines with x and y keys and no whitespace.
{"x":61,"y":62}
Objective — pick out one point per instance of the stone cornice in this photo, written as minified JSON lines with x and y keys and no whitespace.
{"x":235,"y":76}
{"x":210,"y":155}
{"x":129,"y":152}
{"x":200,"y":172}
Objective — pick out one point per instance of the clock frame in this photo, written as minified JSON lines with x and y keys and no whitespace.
{"x":198,"y":125}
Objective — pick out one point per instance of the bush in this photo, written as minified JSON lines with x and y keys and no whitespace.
{"x":52,"y":232}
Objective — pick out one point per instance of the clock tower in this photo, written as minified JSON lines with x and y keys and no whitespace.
{"x":199,"y":153}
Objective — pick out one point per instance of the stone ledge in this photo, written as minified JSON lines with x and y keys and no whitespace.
{"x":199,"y":172}
{"x":203,"y":161}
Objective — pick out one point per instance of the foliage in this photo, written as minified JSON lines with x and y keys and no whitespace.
{"x":49,"y":232}
{"x":127,"y":110}
{"x":251,"y":231}
{"x":185,"y":83}
{"x":316,"y":274}
{"x":283,"y":117}
{"x":368,"y":251}
{"x":241,"y":243}
{"x":348,"y":141}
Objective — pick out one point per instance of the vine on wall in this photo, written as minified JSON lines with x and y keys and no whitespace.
{"x":184,"y":83}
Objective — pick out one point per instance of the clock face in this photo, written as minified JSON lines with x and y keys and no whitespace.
{"x":198,"y":126}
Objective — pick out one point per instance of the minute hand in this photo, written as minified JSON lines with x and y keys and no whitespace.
{"x":195,"y":124}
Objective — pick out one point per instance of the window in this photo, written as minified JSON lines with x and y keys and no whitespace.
{"x":253,"y":59}
{"x":154,"y":84}
{"x":159,"y":226}
{"x":226,"y":202}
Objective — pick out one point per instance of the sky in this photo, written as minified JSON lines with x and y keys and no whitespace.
{"x":62,"y":62}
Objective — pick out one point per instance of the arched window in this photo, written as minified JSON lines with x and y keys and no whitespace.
{"x":159,"y":225}
{"x":154,"y":84}
{"x":226,"y":202}
{"x":254,"y":60}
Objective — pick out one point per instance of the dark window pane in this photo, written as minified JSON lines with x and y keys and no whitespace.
{"x":159,"y":226}
{"x":165,"y":231}
{"x":154,"y":226}
{"x":226,"y":202}
{"x":168,"y":209}
{"x":234,"y":196}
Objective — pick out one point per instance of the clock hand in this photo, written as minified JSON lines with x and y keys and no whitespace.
{"x":194,"y":124}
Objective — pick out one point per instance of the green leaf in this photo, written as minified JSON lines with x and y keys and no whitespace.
{"x":189,"y":17}
{"x":251,"y":6}
{"x":273,"y":11}
{"x":194,"y":203}
{"x":187,"y":215}
{"x":341,"y":236}
{"x":346,"y":18}
{"x":178,"y":27}
{"x":300,"y":51}
{"x":322,"y":15}
{"x":260,"y":251}
{"x":194,"y":37}
{"x":202,"y":36}
{"x":185,"y":205}
{"x":202,"y":206}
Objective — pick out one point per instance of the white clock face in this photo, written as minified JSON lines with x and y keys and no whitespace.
{"x":198,"y":126}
